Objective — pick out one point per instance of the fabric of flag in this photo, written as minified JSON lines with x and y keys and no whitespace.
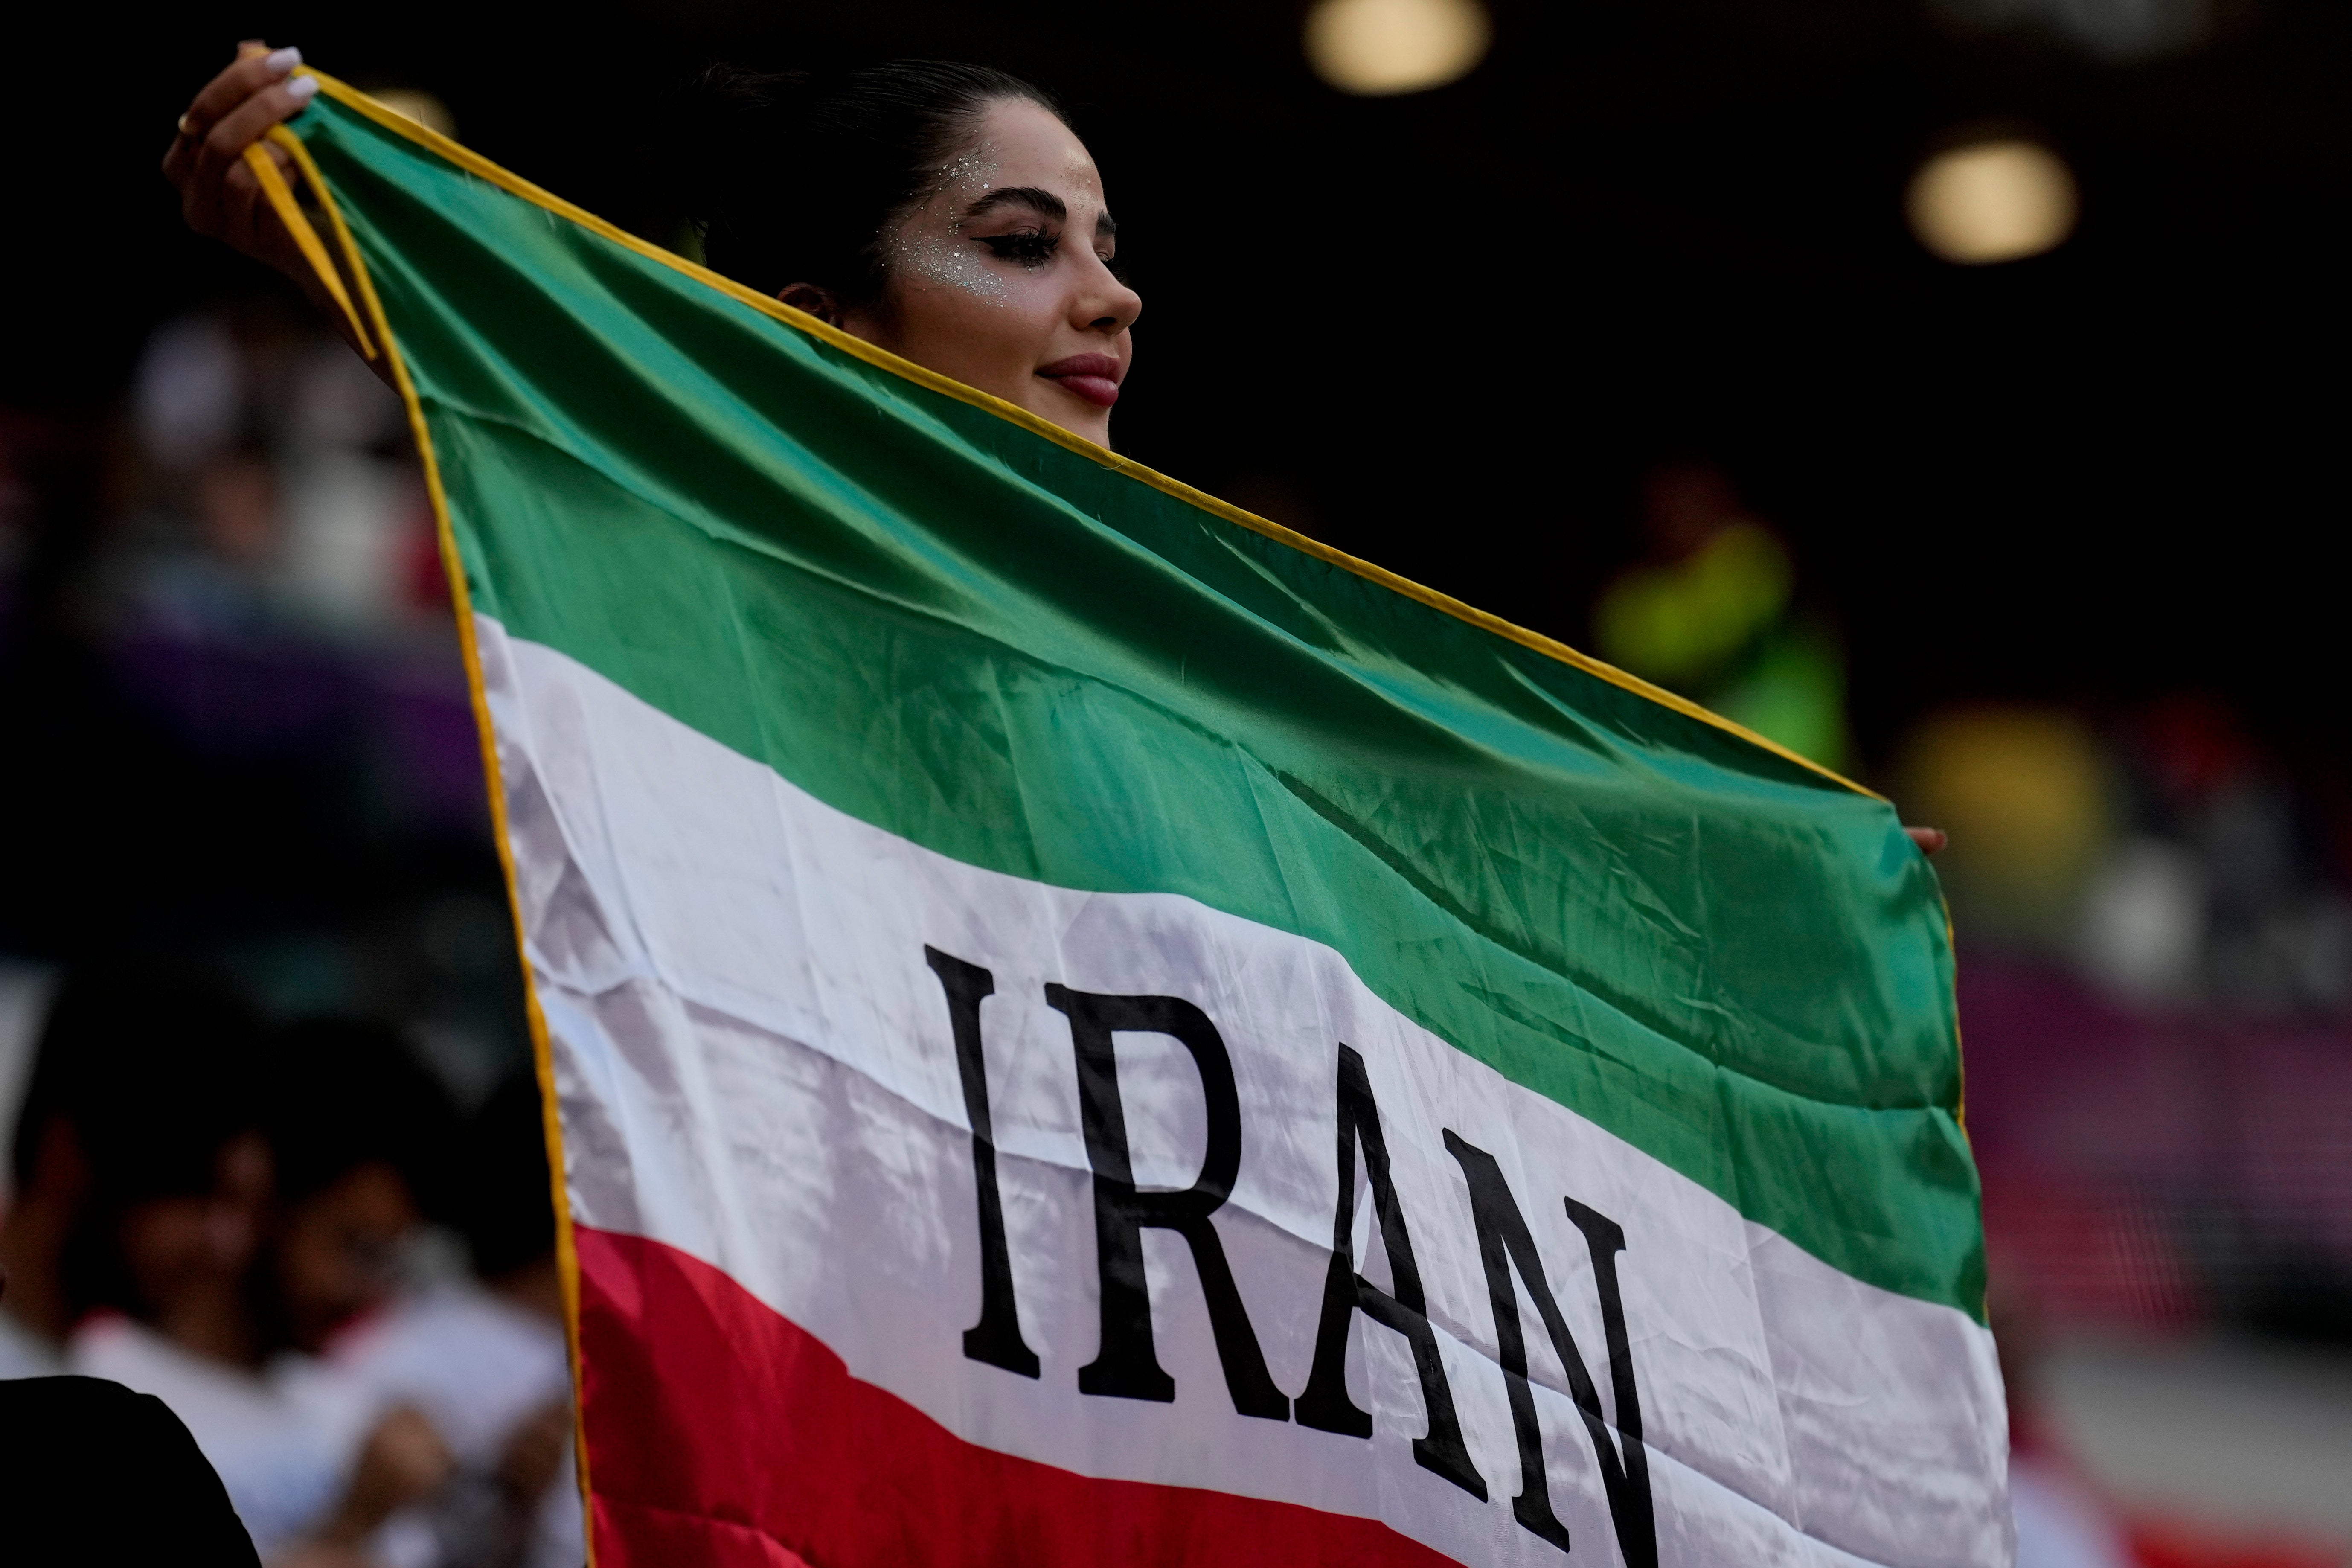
{"x":1090,"y":1029}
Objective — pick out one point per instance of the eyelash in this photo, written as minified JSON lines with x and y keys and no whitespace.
{"x":1030,"y":247}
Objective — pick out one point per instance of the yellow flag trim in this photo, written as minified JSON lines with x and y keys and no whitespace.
{"x":567,"y":1253}
{"x":799,"y":321}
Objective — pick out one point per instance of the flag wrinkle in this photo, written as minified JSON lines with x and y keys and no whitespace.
{"x":1478,"y":1345}
{"x":1625,"y":1004}
{"x":1507,"y":932}
{"x":1707,"y":1140}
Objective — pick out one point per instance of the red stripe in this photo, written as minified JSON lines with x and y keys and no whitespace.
{"x":720,"y":1433}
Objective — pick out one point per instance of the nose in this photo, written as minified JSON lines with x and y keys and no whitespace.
{"x":1104,"y":305}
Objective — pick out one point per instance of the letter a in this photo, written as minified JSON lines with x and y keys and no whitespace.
{"x":1326,"y":1405}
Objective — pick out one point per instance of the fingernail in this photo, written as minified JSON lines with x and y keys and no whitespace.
{"x":302,"y":88}
{"x":280,"y":61}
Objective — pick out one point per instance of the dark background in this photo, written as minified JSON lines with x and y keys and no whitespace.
{"x":1448,"y":332}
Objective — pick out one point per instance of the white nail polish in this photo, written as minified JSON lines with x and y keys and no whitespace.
{"x":302,"y":88}
{"x":280,"y":61}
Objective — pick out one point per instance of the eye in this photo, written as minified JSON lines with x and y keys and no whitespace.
{"x":1030,"y":246}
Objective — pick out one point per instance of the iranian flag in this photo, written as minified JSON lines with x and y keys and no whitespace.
{"x":1087,"y":1029}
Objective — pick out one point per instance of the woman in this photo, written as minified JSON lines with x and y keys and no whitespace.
{"x":943,"y":212}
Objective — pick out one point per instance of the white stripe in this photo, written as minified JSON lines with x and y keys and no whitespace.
{"x":756,"y":1067}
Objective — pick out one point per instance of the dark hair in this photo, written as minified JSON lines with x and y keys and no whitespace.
{"x":794,"y":177}
{"x":345,"y":1092}
{"x":150,"y":1062}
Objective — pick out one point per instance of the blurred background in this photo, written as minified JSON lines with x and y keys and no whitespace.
{"x":1947,"y":388}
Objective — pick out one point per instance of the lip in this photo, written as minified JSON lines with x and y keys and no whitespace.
{"x":1094,"y":377}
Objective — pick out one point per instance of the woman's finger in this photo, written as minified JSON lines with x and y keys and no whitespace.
{"x":225,"y":143}
{"x":220,"y":200}
{"x":1928,"y":840}
{"x":236,"y":106}
{"x":257,"y":67}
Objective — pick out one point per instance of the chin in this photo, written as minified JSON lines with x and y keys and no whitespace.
{"x":1079,"y":417}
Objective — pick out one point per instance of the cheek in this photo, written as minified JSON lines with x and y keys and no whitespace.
{"x":992,"y":340}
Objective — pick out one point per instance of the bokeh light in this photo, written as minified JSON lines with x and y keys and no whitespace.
{"x":1992,"y":201}
{"x":1377,"y":48}
{"x":415,"y":104}
{"x":2025,"y":793}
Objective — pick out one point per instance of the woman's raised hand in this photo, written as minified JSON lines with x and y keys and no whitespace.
{"x":218,"y":194}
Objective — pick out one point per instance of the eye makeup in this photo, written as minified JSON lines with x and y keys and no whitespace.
{"x":919,"y":250}
{"x":965,"y":195}
{"x":944,"y":261}
{"x":1032,"y":248}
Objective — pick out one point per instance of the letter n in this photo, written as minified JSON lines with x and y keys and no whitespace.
{"x":1326,"y":1405}
{"x":1126,"y":1366}
{"x":1504,"y":1243}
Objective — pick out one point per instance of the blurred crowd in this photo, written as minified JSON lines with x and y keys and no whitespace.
{"x":2153,"y":918}
{"x":2155,"y":849}
{"x":276,"y":1153}
{"x":2153,"y":914}
{"x":271,"y":492}
{"x":327,"y":1241}
{"x":289,"y":1235}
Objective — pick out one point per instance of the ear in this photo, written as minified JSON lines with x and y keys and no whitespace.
{"x":818,"y":302}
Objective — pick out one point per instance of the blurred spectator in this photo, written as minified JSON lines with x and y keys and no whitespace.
{"x":1712,"y":612}
{"x":362,"y":1138}
{"x":233,"y":621}
{"x":203,"y":1280}
{"x":2277,"y":931}
{"x":136,"y":1124}
{"x":488,"y":1365}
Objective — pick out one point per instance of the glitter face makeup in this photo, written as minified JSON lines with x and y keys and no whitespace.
{"x":1003,"y":277}
{"x":922,"y":252}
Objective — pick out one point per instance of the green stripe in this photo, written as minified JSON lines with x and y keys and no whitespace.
{"x":952,"y":628}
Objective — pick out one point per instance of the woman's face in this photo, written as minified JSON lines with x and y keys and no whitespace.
{"x":1003,"y":277}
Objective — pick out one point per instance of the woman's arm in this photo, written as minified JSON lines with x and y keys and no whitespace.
{"x":219,"y":194}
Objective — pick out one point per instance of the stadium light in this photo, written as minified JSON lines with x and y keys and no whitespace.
{"x":1382,"y":47}
{"x":1992,"y":201}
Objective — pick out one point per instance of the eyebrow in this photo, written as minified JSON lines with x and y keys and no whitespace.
{"x":1043,"y":200}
